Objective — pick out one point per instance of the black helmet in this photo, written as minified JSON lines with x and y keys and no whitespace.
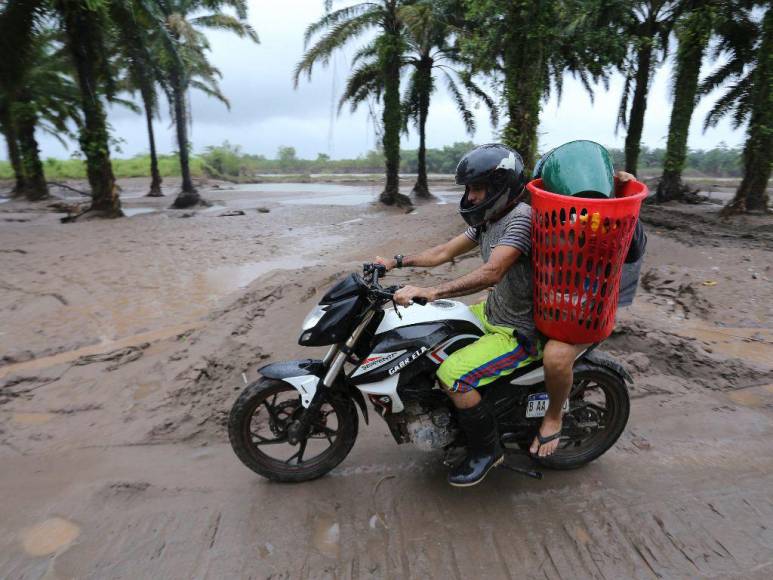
{"x":501,"y":170}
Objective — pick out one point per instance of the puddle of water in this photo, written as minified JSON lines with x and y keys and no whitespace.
{"x":311,"y":193}
{"x":212,"y":209}
{"x":133,"y":211}
{"x":582,"y":535}
{"x":49,"y":536}
{"x":32,"y":418}
{"x":752,"y":344}
{"x":145,"y":389}
{"x":223,"y":280}
{"x":326,"y":536}
{"x":747,"y":398}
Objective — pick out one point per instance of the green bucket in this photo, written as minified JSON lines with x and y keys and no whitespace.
{"x":578,"y":168}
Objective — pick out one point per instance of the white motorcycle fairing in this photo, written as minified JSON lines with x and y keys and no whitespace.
{"x":437,"y":311}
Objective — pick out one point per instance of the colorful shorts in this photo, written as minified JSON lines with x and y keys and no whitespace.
{"x":497,"y":353}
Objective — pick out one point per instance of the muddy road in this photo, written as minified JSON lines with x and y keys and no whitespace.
{"x":123,"y":345}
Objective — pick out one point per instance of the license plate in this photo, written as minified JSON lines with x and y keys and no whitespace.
{"x":538,"y":403}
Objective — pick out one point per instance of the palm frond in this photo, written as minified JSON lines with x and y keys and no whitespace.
{"x":336,"y":18}
{"x":366,"y":80}
{"x":337,"y":37}
{"x":211,"y":91}
{"x":478,"y":92}
{"x":228,"y":23}
{"x":467,"y":117}
{"x":622,"y":111}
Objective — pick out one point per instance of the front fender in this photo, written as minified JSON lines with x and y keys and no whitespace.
{"x":303,"y":374}
{"x":306,"y":375}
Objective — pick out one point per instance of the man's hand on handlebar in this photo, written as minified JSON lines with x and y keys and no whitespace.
{"x":409,"y":294}
{"x":390,"y":263}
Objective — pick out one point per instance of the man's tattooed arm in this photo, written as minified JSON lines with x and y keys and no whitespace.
{"x":502,"y":257}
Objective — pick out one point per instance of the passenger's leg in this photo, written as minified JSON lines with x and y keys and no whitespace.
{"x":558,"y":362}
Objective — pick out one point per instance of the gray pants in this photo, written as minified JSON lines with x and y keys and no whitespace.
{"x":629,"y":281}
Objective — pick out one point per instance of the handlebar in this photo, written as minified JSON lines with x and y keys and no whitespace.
{"x":376,"y":271}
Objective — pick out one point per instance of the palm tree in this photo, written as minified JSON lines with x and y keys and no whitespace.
{"x":85,"y":25}
{"x":183,"y":19}
{"x":140,"y":42}
{"x":693,"y":32}
{"x":429,"y":33}
{"x":8,"y":129}
{"x":341,"y":26}
{"x":46,"y":100}
{"x":647,"y":26}
{"x":428,"y":50}
{"x":747,"y":43}
{"x":526,"y":47}
{"x":18,"y":24}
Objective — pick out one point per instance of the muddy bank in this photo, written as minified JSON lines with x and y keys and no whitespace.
{"x":112,"y":406}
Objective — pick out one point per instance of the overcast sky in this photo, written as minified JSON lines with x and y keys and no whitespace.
{"x":266,"y":112}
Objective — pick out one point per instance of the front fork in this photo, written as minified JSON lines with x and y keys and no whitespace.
{"x":334,"y":361}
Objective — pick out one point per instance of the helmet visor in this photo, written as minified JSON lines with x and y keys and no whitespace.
{"x":578,"y":168}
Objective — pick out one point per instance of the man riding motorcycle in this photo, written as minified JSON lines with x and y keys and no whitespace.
{"x":500,"y":223}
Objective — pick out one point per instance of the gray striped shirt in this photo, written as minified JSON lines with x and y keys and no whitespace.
{"x":510,"y":303}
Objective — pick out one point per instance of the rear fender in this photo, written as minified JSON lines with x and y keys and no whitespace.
{"x":597,"y":358}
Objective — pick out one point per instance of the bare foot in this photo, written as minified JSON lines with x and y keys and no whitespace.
{"x":548,"y":428}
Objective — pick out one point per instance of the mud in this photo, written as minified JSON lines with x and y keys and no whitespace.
{"x":120,"y":363}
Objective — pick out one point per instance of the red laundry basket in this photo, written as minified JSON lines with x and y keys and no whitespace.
{"x":578,"y":249}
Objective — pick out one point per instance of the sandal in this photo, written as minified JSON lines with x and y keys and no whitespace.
{"x":543,"y":440}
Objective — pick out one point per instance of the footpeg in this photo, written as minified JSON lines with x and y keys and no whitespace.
{"x":523,"y":471}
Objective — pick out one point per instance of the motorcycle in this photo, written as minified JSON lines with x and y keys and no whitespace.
{"x":300,"y":419}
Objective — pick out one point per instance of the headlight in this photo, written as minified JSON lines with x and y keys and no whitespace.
{"x":313,"y":317}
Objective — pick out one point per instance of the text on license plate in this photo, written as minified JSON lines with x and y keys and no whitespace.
{"x":538,"y":403}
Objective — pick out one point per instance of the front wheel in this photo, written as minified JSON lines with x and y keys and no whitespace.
{"x":258,"y":430}
{"x":598,"y":412}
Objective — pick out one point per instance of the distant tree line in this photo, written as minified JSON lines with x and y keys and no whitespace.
{"x":63,"y":61}
{"x":228,"y":162}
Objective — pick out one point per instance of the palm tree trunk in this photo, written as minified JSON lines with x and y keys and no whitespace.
{"x":693,"y":39}
{"x":421,"y":188}
{"x":392,"y":119}
{"x":155,"y":176}
{"x":524,"y":86}
{"x":8,"y":129}
{"x":758,"y":150}
{"x":188,"y":196}
{"x":638,"y":106}
{"x":35,"y":179}
{"x":93,"y":135}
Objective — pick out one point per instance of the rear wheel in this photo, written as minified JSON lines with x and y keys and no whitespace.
{"x":598,"y":412}
{"x":258,"y":430}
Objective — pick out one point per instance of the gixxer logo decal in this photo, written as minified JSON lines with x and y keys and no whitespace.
{"x":406,"y":361}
